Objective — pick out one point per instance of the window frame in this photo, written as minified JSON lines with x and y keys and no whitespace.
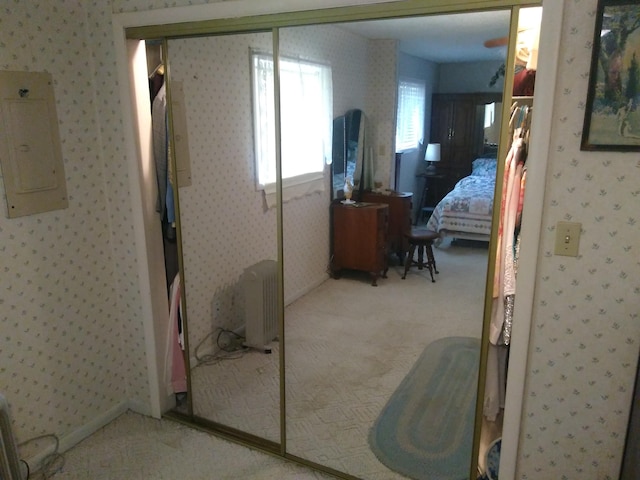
{"x":411,"y":140}
{"x":263,"y":100}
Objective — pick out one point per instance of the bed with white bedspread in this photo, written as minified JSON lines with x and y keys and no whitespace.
{"x":466,"y":211}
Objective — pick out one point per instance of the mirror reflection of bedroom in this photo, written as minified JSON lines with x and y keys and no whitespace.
{"x":384,"y":261}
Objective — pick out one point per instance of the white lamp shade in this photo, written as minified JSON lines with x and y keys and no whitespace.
{"x":433,"y":152}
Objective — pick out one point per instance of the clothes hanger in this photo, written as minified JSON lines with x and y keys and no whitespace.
{"x":159,"y":70}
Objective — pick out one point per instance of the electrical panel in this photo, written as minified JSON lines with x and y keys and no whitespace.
{"x":30,"y":153}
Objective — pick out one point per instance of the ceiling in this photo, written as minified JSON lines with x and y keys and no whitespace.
{"x":442,"y":38}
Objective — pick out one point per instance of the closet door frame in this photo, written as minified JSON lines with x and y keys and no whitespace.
{"x":241,"y":16}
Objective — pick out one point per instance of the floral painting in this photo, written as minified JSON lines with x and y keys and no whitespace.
{"x":612,"y":118}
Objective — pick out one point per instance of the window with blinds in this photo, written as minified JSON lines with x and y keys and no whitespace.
{"x":410,"y":123}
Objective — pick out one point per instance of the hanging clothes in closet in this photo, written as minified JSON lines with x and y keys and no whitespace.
{"x":156,"y":80}
{"x":175,"y":368}
{"x":162,"y":155}
{"x":507,"y":251}
{"x":165,"y":176}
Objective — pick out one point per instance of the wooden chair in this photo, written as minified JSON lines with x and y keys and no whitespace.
{"x":422,"y":239}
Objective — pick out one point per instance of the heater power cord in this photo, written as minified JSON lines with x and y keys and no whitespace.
{"x":51,"y":463}
{"x":226,"y":352}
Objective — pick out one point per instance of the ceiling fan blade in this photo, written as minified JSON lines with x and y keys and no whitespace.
{"x":496,"y":42}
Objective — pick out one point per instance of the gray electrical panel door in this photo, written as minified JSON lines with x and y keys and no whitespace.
{"x":30,"y":153}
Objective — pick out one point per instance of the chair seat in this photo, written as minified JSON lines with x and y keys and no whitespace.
{"x":422,"y":235}
{"x":422,"y":239}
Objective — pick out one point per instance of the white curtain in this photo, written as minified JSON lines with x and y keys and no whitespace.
{"x":306,"y":103}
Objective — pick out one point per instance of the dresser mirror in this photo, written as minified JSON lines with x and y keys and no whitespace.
{"x":339,"y":157}
{"x":491,"y":113}
{"x":350,"y":166}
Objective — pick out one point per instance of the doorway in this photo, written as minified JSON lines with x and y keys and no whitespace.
{"x":285,"y":257}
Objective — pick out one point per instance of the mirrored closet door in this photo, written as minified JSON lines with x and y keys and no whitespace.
{"x":364,"y":359}
{"x":360,"y":396}
{"x":229,"y":238}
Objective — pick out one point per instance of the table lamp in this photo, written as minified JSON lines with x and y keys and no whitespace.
{"x":432,"y":155}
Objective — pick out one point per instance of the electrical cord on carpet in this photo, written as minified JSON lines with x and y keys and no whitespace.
{"x":51,"y":464}
{"x":228,"y":351}
{"x":329,"y":270}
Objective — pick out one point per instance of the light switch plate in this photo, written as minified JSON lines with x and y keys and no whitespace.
{"x":567,"y":238}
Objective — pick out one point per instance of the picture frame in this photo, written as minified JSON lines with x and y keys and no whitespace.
{"x":612,"y":111}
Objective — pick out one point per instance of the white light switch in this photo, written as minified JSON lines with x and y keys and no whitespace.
{"x":567,"y":238}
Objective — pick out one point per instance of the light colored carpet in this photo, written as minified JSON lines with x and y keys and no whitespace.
{"x":348,"y":347}
{"x":134,"y":447}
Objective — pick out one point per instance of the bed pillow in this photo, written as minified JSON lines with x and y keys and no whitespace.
{"x":484,"y":167}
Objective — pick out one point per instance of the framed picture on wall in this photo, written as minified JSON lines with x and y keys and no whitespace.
{"x":612,"y":115}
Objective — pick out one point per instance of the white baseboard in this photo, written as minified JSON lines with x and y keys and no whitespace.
{"x":141,"y":408}
{"x":73,"y":438}
{"x":296,"y":295}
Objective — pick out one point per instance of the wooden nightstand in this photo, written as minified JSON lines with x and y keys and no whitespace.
{"x":431,"y":180}
{"x":399,"y":218}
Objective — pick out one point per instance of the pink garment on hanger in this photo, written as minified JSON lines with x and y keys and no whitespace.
{"x":504,"y":275}
{"x":178,"y":369}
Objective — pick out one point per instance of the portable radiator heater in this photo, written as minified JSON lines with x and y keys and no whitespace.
{"x":10,"y":466}
{"x":260,"y":291}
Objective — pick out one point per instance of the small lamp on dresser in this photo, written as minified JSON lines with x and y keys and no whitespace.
{"x":432,"y":155}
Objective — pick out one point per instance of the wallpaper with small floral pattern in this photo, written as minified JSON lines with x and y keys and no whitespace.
{"x":120,"y":6}
{"x":225,"y":226}
{"x":383,"y":76}
{"x":586,"y":327}
{"x":71,"y":339}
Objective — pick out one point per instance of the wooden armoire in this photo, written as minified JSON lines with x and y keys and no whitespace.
{"x":457,"y":124}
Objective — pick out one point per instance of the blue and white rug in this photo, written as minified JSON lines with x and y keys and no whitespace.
{"x":425,"y":431}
